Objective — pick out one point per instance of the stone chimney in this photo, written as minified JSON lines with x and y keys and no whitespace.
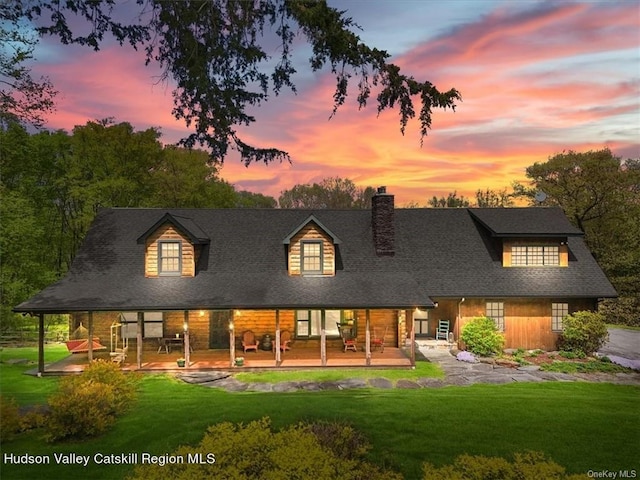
{"x":383,"y":223}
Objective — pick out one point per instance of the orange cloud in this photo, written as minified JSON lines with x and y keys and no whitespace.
{"x":536,"y":79}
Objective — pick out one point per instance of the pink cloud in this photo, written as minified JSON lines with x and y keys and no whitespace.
{"x":530,"y":84}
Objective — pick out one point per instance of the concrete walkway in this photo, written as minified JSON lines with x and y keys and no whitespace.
{"x":456,"y":373}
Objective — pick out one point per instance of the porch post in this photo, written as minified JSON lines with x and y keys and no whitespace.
{"x":323,"y":339}
{"x":140,"y":321}
{"x":40,"y":344}
{"x":187,"y":348}
{"x":232,"y":340}
{"x":367,"y":337}
{"x":412,"y":337}
{"x":278,"y":354}
{"x":90,"y":340}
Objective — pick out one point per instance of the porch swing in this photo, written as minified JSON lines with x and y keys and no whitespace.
{"x":79,"y":341}
{"x":118,"y":350}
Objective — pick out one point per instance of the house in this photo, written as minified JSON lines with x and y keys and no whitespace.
{"x":209,"y":275}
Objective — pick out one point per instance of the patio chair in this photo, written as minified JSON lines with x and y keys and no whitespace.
{"x":348,"y":341}
{"x":285,"y":341}
{"x":378,"y":342}
{"x":443,"y":330}
{"x":249,"y":341}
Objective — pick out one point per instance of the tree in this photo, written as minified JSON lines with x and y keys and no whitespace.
{"x":22,"y":98}
{"x":246,"y":199}
{"x":493,"y":198}
{"x":600,"y":194}
{"x":451,"y":201}
{"x":183,"y":179}
{"x":215,"y":52}
{"x":332,"y":192}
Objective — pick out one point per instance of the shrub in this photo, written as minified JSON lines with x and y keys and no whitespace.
{"x":86,"y":405}
{"x":238,"y":451}
{"x":481,"y":336}
{"x":9,"y":419}
{"x":525,"y":466}
{"x":583,"y":332}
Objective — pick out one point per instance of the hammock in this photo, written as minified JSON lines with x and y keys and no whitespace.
{"x":79,"y":341}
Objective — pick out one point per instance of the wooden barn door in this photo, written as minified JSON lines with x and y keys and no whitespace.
{"x":219,"y":329}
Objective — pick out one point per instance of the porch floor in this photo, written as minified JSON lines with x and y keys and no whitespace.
{"x":202,"y":360}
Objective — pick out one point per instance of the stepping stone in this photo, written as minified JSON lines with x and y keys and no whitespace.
{"x":407,"y":384}
{"x":380,"y":383}
{"x":202,"y":377}
{"x":529,"y":368}
{"x":229,"y":384}
{"x":352,"y":383}
{"x":525,"y":377}
{"x":285,"y":387}
{"x":260,"y":387}
{"x":428,"y":382}
{"x":16,"y":361}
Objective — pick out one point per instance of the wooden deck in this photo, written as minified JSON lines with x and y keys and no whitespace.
{"x":220,"y":360}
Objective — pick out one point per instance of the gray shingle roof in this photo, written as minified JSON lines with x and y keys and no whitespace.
{"x":525,"y":222}
{"x":438,"y":253}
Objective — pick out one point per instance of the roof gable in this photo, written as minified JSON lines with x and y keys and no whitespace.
{"x":311,"y":219}
{"x":186,"y":226}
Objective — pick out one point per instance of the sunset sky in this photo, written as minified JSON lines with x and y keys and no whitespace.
{"x":536,"y":78}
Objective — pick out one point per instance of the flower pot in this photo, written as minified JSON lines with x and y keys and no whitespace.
{"x":239,"y":362}
{"x":180,"y":362}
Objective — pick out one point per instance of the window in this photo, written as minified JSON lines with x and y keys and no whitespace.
{"x":558,"y":312}
{"x":169,"y":258}
{"x":309,"y":323}
{"x":311,"y":257}
{"x":152,"y":326}
{"x":495,"y":311}
{"x":527,"y":255}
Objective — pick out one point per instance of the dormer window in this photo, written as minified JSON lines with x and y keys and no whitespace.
{"x":312,"y":249}
{"x":535,"y":255}
{"x":311,"y":253}
{"x":169,"y":258}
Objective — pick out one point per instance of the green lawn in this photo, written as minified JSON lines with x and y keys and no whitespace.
{"x":581,"y":426}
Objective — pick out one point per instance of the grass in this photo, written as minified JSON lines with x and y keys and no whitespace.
{"x":591,"y":366}
{"x":423,"y":369}
{"x":582,"y":426}
{"x":23,"y":388}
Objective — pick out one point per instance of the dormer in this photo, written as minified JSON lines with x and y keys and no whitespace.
{"x":173,"y":246}
{"x":311,"y":249}
{"x":529,"y":237}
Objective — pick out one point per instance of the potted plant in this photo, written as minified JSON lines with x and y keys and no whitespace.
{"x":239,"y":361}
{"x":180,"y":362}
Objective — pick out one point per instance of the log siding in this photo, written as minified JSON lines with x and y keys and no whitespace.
{"x":312,"y":233}
{"x":168,"y":233}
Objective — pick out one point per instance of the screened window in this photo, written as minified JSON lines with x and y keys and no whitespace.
{"x":169,"y":258}
{"x":152,"y":325}
{"x":311,"y":257}
{"x":495,"y":311}
{"x":527,"y":255}
{"x":558,"y":312}
{"x":309,"y":323}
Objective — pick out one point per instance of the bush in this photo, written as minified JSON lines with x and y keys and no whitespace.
{"x":583,"y":332}
{"x":481,"y":337}
{"x":86,"y":405}
{"x":9,"y":419}
{"x":525,"y":466}
{"x":238,"y":452}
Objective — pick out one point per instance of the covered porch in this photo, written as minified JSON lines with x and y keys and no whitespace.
{"x":203,"y":360}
